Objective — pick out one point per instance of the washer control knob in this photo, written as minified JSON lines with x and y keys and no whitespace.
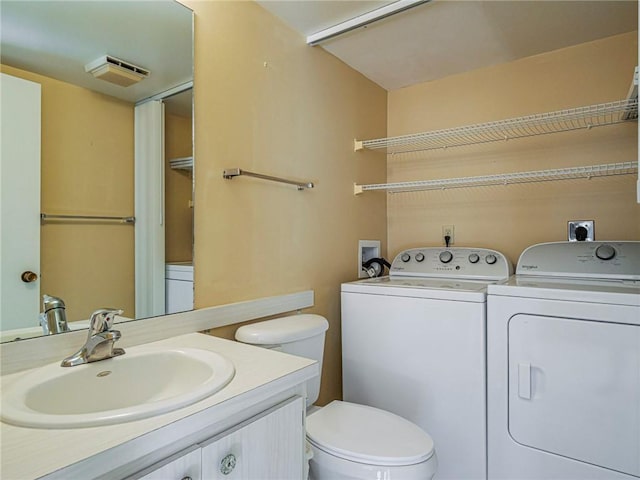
{"x":605,"y":252}
{"x":420,"y":257}
{"x":474,"y":258}
{"x":446,"y":257}
{"x":490,"y":259}
{"x":405,"y":257}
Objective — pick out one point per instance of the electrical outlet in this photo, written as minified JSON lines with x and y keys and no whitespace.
{"x":447,"y":230}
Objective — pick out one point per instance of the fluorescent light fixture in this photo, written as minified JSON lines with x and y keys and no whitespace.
{"x":362,"y":20}
{"x":114,"y":70}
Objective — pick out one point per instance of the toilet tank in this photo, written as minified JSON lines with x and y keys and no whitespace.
{"x":301,"y":335}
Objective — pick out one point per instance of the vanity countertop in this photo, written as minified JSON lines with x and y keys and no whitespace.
{"x":31,"y":453}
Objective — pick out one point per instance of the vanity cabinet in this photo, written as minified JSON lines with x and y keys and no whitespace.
{"x":268,"y":446}
{"x":258,"y":418}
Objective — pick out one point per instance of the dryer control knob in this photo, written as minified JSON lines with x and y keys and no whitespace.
{"x":490,"y":259}
{"x":420,"y":257}
{"x":446,"y":257}
{"x":605,"y":252}
{"x":474,"y":258}
{"x":405,"y":257}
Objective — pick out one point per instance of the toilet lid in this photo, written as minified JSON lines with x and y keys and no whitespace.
{"x":368,"y":435}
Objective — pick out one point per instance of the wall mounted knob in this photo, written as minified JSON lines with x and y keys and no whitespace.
{"x":28,"y":276}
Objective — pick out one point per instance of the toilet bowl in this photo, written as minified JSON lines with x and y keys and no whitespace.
{"x":348,"y":441}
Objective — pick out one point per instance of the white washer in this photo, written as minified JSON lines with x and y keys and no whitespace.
{"x":178,"y":287}
{"x":413,"y":343}
{"x":564,"y":364}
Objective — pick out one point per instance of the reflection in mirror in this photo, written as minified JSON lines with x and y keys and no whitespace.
{"x":179,"y":202}
{"x":86,"y":153}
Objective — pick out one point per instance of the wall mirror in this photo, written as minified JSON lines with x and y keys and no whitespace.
{"x":84,"y":181}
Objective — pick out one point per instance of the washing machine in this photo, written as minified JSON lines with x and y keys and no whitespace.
{"x":563,"y":338}
{"x":178,"y":287}
{"x":413,"y":343}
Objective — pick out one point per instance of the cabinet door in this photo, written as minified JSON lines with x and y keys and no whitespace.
{"x":269,"y":446}
{"x":184,"y":465}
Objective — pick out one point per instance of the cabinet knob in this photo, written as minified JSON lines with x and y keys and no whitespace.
{"x":227,"y":464}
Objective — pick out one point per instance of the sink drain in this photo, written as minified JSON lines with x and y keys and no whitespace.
{"x":104,"y":374}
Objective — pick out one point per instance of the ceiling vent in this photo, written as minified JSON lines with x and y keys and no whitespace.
{"x":113,"y":70}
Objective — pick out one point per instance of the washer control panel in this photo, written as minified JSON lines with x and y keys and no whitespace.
{"x":453,"y":262}
{"x":615,"y":260}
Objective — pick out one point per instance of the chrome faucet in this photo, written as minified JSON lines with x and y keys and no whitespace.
{"x":99,"y":344}
{"x":53,"y":318}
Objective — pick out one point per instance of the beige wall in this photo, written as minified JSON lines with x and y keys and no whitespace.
{"x":266,"y":102}
{"x":178,"y":190}
{"x":87,"y":169}
{"x":510,"y":218}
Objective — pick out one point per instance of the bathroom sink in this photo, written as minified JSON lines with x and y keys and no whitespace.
{"x":139,"y":384}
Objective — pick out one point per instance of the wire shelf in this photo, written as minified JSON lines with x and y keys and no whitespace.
{"x":532,"y":125}
{"x":623,"y":168}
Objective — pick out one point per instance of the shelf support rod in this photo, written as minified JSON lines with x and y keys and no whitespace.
{"x":230,"y":173}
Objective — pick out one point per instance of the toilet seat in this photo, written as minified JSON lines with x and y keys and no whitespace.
{"x":368,"y":435}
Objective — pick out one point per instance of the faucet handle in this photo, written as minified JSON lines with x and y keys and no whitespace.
{"x":102,"y":320}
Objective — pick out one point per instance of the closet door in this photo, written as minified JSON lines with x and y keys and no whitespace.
{"x":19,"y":203}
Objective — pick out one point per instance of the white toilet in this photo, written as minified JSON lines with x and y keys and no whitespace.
{"x":348,"y":441}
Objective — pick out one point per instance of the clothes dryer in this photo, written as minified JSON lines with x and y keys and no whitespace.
{"x":563,"y":359}
{"x":413,"y":343}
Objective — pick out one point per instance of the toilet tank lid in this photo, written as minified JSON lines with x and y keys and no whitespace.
{"x":283,"y":329}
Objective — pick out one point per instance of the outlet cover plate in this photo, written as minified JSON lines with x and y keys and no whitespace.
{"x":573,"y":225}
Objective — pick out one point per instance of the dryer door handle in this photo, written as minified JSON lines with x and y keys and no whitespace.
{"x":524,"y":380}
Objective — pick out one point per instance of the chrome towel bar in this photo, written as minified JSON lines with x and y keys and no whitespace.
{"x":229,"y":173}
{"x":45,"y":217}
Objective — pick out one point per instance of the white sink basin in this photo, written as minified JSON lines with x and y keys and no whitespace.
{"x":139,"y":384}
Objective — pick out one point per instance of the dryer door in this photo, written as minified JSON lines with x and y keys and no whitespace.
{"x":574,"y":389}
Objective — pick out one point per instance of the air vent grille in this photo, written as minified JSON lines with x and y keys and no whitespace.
{"x":127,"y":66}
{"x":117,"y":71}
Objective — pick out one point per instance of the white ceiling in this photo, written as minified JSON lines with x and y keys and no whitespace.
{"x":446,"y":37}
{"x":57,"y":39}
{"x":434,"y":40}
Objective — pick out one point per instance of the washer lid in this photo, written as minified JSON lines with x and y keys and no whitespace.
{"x":430,"y":288}
{"x":368,"y":435}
